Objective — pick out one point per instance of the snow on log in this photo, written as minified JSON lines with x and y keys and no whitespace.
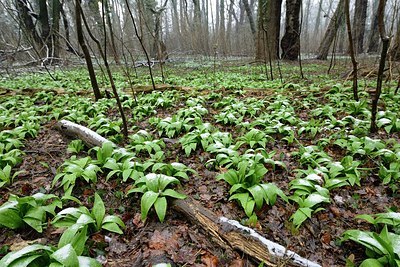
{"x":226,"y":232}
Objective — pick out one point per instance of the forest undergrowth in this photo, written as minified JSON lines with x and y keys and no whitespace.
{"x":290,"y":157}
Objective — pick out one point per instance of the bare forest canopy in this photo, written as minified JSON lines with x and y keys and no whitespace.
{"x":44,"y":31}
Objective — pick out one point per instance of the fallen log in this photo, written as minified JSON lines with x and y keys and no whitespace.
{"x":226,"y":232}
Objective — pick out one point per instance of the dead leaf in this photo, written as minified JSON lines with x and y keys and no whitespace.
{"x":237,"y":263}
{"x":209,"y":260}
{"x":326,"y":238}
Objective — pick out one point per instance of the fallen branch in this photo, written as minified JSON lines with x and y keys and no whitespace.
{"x":226,"y":232}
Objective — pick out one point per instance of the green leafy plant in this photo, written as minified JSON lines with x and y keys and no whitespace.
{"x":29,"y":211}
{"x":6,"y":178}
{"x":246,"y":186}
{"x":381,"y":249}
{"x":42,"y":255}
{"x":74,"y":169}
{"x":143,"y":141}
{"x":96,"y":219}
{"x":127,"y":168}
{"x":172,"y":126}
{"x":254,"y":138}
{"x":75,"y":146}
{"x":155,"y":192}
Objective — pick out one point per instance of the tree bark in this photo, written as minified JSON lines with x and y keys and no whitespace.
{"x":360,"y":16}
{"x":385,"y":46}
{"x":351,"y":49}
{"x":250,"y":17}
{"x":373,"y":39}
{"x":291,"y":39}
{"x":395,"y":50}
{"x":336,"y":21}
{"x":226,"y":232}
{"x":85,"y":50}
{"x":268,"y":29}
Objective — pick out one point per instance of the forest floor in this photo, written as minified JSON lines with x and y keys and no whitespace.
{"x":177,"y":240}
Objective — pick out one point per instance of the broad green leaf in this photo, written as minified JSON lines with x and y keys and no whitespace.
{"x":366,"y":239}
{"x":88,"y":262}
{"x":161,"y":208}
{"x":66,"y":256}
{"x":9,"y":216}
{"x":98,"y":210}
{"x":147,"y":201}
{"x":314,"y":199}
{"x":300,"y":216}
{"x":172,"y":193}
{"x":112,"y":227}
{"x":13,"y":256}
{"x":371,"y":263}
{"x":24,"y":261}
{"x":258,"y":195}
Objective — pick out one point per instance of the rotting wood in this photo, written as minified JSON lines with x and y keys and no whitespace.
{"x":226,"y":232}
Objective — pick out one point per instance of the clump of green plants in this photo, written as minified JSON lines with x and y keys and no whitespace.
{"x":155,"y":192}
{"x":76,"y":169}
{"x":381,"y":248}
{"x":247,"y":187}
{"x":30,"y":211}
{"x":96,"y":219}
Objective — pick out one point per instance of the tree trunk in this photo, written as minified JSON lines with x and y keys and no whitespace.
{"x":86,"y":53}
{"x":373,"y":39}
{"x":55,"y":28}
{"x":110,"y":28}
{"x":360,"y":16}
{"x":351,"y":49}
{"x":29,"y":29}
{"x":395,"y":50}
{"x":290,"y":43}
{"x":250,"y":17}
{"x":385,"y":46}
{"x":268,"y":29}
{"x":336,"y":21}
{"x":222,"y":30}
{"x":318,"y":21}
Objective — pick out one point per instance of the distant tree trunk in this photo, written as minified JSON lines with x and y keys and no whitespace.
{"x":110,"y":28}
{"x":318,"y":19}
{"x":306,"y":25}
{"x":351,"y":49}
{"x":336,"y":21}
{"x":291,"y":39}
{"x":268,"y":29}
{"x":81,"y":40}
{"x":395,"y":50}
{"x":250,"y":17}
{"x":385,"y":46}
{"x":373,"y":39}
{"x":25,"y":16}
{"x":55,"y":28}
{"x":222,"y":30}
{"x":229,"y":27}
{"x":360,"y":16}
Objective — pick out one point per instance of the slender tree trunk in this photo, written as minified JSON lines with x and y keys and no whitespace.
{"x":250,"y":17}
{"x":81,"y":40}
{"x":385,"y":46}
{"x":269,"y":17}
{"x":336,"y":21}
{"x":318,"y":20}
{"x":373,"y":39}
{"x":360,"y":16}
{"x":222,"y":30}
{"x":291,"y":39}
{"x":110,"y":28}
{"x":55,"y":28}
{"x":395,"y":50}
{"x":351,"y":49}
